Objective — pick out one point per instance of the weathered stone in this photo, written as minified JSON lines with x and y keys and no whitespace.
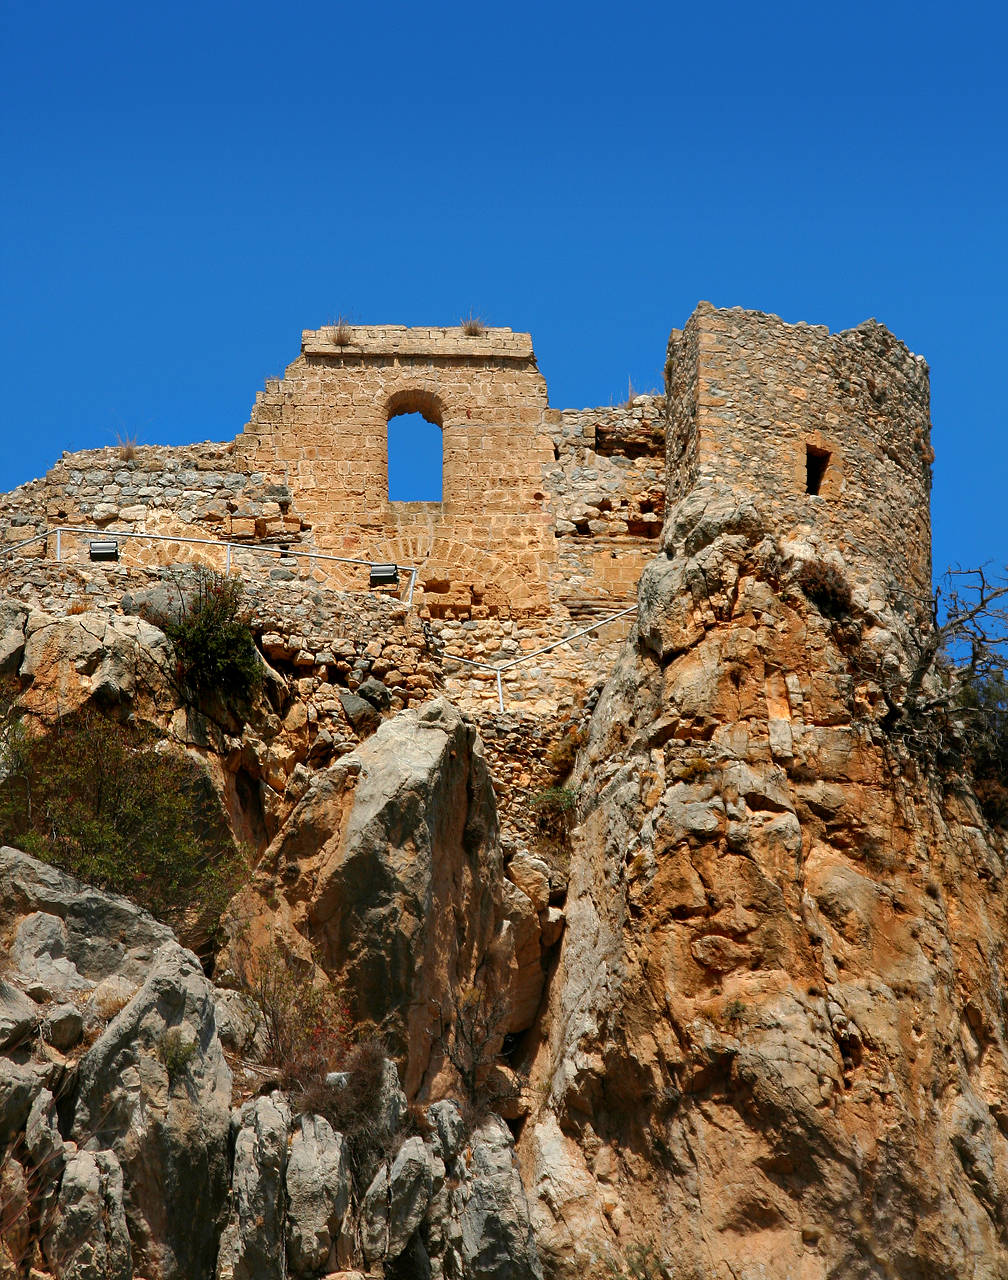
{"x":18,"y":1015}
{"x":361,"y":713}
{"x":390,"y":864}
{"x":105,"y":933}
{"x":496,"y":1236}
{"x":318,"y":1194}
{"x":375,"y":692}
{"x":527,"y":976}
{"x":63,"y":1026}
{"x":396,"y":1201}
{"x":90,"y":1240}
{"x":12,"y":636}
{"x":252,"y":1244}
{"x":531,"y":875}
{"x":164,"y":1132}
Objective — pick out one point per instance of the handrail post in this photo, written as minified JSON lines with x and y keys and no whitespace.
{"x":412,"y":584}
{"x":500,"y":691}
{"x":58,"y":548}
{"x":227,"y":562}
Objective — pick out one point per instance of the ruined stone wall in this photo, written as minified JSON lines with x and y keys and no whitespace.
{"x":771,"y":396}
{"x":548,"y":517}
{"x":331,"y":648}
{"x":607,"y":492}
{"x":322,"y":430}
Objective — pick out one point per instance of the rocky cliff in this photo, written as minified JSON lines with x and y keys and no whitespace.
{"x":734,"y":1007}
{"x":774,"y":1043}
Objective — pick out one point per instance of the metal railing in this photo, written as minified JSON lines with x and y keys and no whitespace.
{"x":499,"y":668}
{"x":255,"y":547}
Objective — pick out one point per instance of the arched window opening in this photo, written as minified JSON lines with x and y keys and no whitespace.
{"x":415,"y":453}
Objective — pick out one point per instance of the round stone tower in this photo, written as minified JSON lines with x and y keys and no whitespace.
{"x":829,"y":432}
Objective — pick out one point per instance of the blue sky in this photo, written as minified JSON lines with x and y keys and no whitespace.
{"x":187,"y":187}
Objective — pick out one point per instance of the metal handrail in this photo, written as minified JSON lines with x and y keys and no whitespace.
{"x":60,"y":529}
{"x":499,"y":669}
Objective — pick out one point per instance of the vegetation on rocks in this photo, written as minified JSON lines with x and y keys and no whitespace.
{"x":215,"y":653}
{"x":554,"y":808}
{"x":122,"y":810}
{"x":306,"y":1025}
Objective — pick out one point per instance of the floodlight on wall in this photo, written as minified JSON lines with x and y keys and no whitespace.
{"x":106,"y":549}
{"x":384,"y":575}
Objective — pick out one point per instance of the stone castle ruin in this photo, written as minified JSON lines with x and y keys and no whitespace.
{"x":547,"y":516}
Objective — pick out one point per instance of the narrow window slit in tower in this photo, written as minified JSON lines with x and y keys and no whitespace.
{"x":816,"y":462}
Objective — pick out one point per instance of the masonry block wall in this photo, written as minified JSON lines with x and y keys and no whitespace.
{"x":830,"y":432}
{"x":548,"y":517}
{"x":322,"y":430}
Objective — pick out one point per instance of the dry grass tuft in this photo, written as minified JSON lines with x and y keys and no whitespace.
{"x":472,"y":326}
{"x":126,"y":447}
{"x":341,"y":333}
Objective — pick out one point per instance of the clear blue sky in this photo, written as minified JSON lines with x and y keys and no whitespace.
{"x":186,"y":187}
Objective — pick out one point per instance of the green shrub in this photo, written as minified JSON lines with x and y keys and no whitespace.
{"x":215,"y":653}
{"x":122,"y":810}
{"x":553,"y":812}
{"x":174,"y":1052}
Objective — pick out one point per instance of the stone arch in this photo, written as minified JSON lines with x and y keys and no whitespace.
{"x":414,"y":451}
{"x":416,"y":400}
{"x":458,"y":576}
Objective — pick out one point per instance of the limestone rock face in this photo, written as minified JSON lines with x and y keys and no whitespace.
{"x":390,"y":867}
{"x":70,"y":660}
{"x":252,"y":1246}
{"x":496,"y":1241}
{"x":167,"y":1129}
{"x":775,"y":1043}
{"x":318,"y":1193}
{"x":90,"y":1240}
{"x":396,"y":1201}
{"x":68,"y":934}
{"x":159,"y":1176}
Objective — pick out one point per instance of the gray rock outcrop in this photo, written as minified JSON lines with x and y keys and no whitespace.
{"x":252,"y":1245}
{"x":318,"y":1195}
{"x":167,"y":1128}
{"x":90,"y":1240}
{"x":390,"y":865}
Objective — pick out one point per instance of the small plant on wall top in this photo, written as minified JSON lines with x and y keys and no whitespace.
{"x":473,"y":326}
{"x":341,"y":335}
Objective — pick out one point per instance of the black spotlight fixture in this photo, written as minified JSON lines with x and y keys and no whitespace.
{"x":384,"y":575}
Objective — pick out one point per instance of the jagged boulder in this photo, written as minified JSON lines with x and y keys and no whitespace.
{"x":12,"y":636}
{"x":318,"y":1195}
{"x":90,"y":1240}
{"x":390,"y":865}
{"x":72,"y":660}
{"x":396,"y":1201}
{"x":252,"y":1245}
{"x":496,"y":1240}
{"x":68,"y":934}
{"x":155,"y":1089}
